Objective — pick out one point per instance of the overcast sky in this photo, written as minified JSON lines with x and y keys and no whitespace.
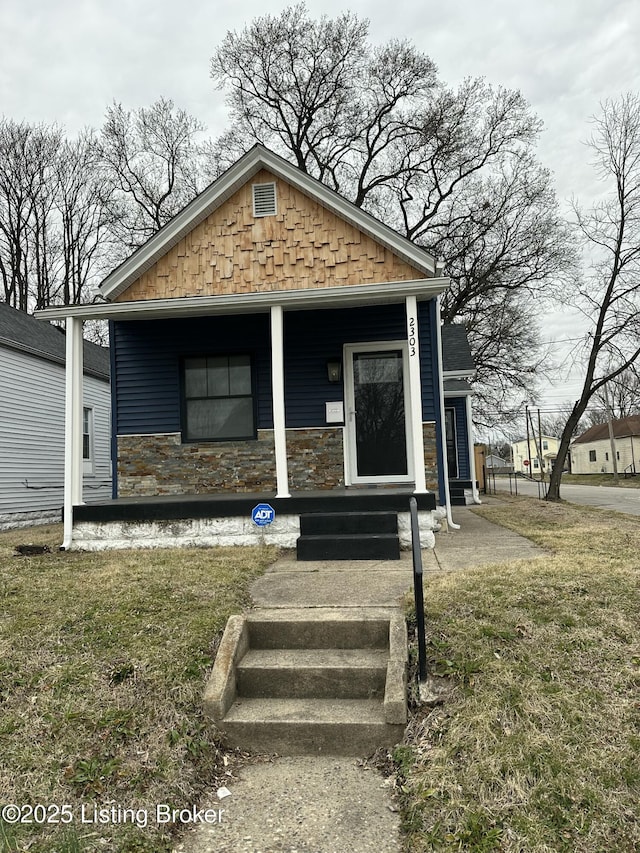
{"x":65,"y":60}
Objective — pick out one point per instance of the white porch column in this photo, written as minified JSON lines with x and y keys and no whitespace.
{"x":415,"y":394}
{"x":443,"y":427}
{"x":277,"y":391}
{"x":472,"y":454}
{"x":72,"y":425}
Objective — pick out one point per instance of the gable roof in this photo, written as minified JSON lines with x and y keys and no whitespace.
{"x":622,"y":428}
{"x":22,"y":332}
{"x":225,"y":186}
{"x":457,"y":361}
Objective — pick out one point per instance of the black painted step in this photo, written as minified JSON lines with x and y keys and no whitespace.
{"x":349,"y":546}
{"x":458,"y":500}
{"x":339,"y":523}
{"x":460,"y":484}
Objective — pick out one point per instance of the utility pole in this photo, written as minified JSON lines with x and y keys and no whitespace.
{"x":530,"y":468}
{"x":540,"y":448}
{"x":535,"y":441}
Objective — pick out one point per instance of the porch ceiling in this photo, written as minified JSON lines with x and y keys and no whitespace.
{"x":253,"y":303}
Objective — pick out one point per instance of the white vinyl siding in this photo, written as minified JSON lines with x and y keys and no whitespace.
{"x":32,"y":436}
{"x":626,"y":454}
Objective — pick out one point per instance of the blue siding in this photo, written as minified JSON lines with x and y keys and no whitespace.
{"x":428,"y":361}
{"x":314,"y":337}
{"x":147,"y":357}
{"x":147,"y":361}
{"x":458,"y":404}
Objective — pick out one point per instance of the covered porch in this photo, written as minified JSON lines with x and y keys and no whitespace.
{"x":227,"y":510}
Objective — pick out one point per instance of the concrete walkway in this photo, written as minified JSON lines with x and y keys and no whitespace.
{"x":383,"y":583}
{"x":330,"y":804}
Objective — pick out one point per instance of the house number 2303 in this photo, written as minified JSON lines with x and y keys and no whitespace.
{"x":412,"y":336}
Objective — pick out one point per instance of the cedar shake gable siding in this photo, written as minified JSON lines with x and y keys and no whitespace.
{"x":304,"y":245}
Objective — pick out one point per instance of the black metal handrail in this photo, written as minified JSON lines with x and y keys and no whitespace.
{"x":417,"y":589}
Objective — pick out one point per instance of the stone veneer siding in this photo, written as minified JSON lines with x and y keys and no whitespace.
{"x":150,"y":465}
{"x":315,"y":458}
{"x":430,"y":455}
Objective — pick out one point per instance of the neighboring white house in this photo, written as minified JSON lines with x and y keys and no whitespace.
{"x":591,"y":452}
{"x":497,"y":464}
{"x":32,"y":408}
{"x":524,"y":451}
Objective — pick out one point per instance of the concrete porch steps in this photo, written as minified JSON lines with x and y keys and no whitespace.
{"x":313,"y":673}
{"x":310,"y":726}
{"x":311,"y":681}
{"x":349,"y":536}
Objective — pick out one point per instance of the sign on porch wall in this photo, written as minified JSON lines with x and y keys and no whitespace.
{"x":263,"y":515}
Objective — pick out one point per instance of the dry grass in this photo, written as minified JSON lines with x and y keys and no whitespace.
{"x":602,"y":480}
{"x":538,"y":749}
{"x":103,"y":659}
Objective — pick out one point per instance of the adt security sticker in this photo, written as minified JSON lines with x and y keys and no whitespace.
{"x":263,"y":514}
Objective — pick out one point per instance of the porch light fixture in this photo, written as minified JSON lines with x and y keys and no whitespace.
{"x":334,"y":370}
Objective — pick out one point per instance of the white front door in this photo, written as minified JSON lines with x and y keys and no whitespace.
{"x":378,"y":427}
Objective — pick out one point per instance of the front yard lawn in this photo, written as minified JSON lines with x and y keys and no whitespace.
{"x":538,"y":748}
{"x":103,"y":659}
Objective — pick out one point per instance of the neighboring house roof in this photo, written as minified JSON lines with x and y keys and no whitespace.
{"x":457,"y":361}
{"x":532,"y":438}
{"x":21,"y":331}
{"x":257,"y":158}
{"x":622,"y":428}
{"x":453,"y":387}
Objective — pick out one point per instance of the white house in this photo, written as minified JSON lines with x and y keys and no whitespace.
{"x":525,"y":454}
{"x":32,"y":419}
{"x":591,"y":452}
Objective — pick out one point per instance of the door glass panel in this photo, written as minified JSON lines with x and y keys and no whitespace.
{"x":381,"y":441}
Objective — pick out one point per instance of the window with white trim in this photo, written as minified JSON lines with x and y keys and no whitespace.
{"x":592,"y":456}
{"x":218,"y":402}
{"x":87,"y":438}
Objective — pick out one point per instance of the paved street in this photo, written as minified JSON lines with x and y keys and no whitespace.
{"x":605,"y":497}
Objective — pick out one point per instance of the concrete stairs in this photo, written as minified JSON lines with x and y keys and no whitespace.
{"x":301,"y":681}
{"x":349,"y":536}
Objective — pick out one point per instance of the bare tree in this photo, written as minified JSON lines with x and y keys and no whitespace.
{"x":29,"y":250}
{"x":85,"y":218}
{"x":52,"y":215}
{"x":317,"y":92}
{"x":609,"y":292}
{"x":153,"y":164}
{"x":453,"y":170}
{"x":621,"y":397}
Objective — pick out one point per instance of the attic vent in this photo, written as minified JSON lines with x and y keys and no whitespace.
{"x":264,"y":199}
